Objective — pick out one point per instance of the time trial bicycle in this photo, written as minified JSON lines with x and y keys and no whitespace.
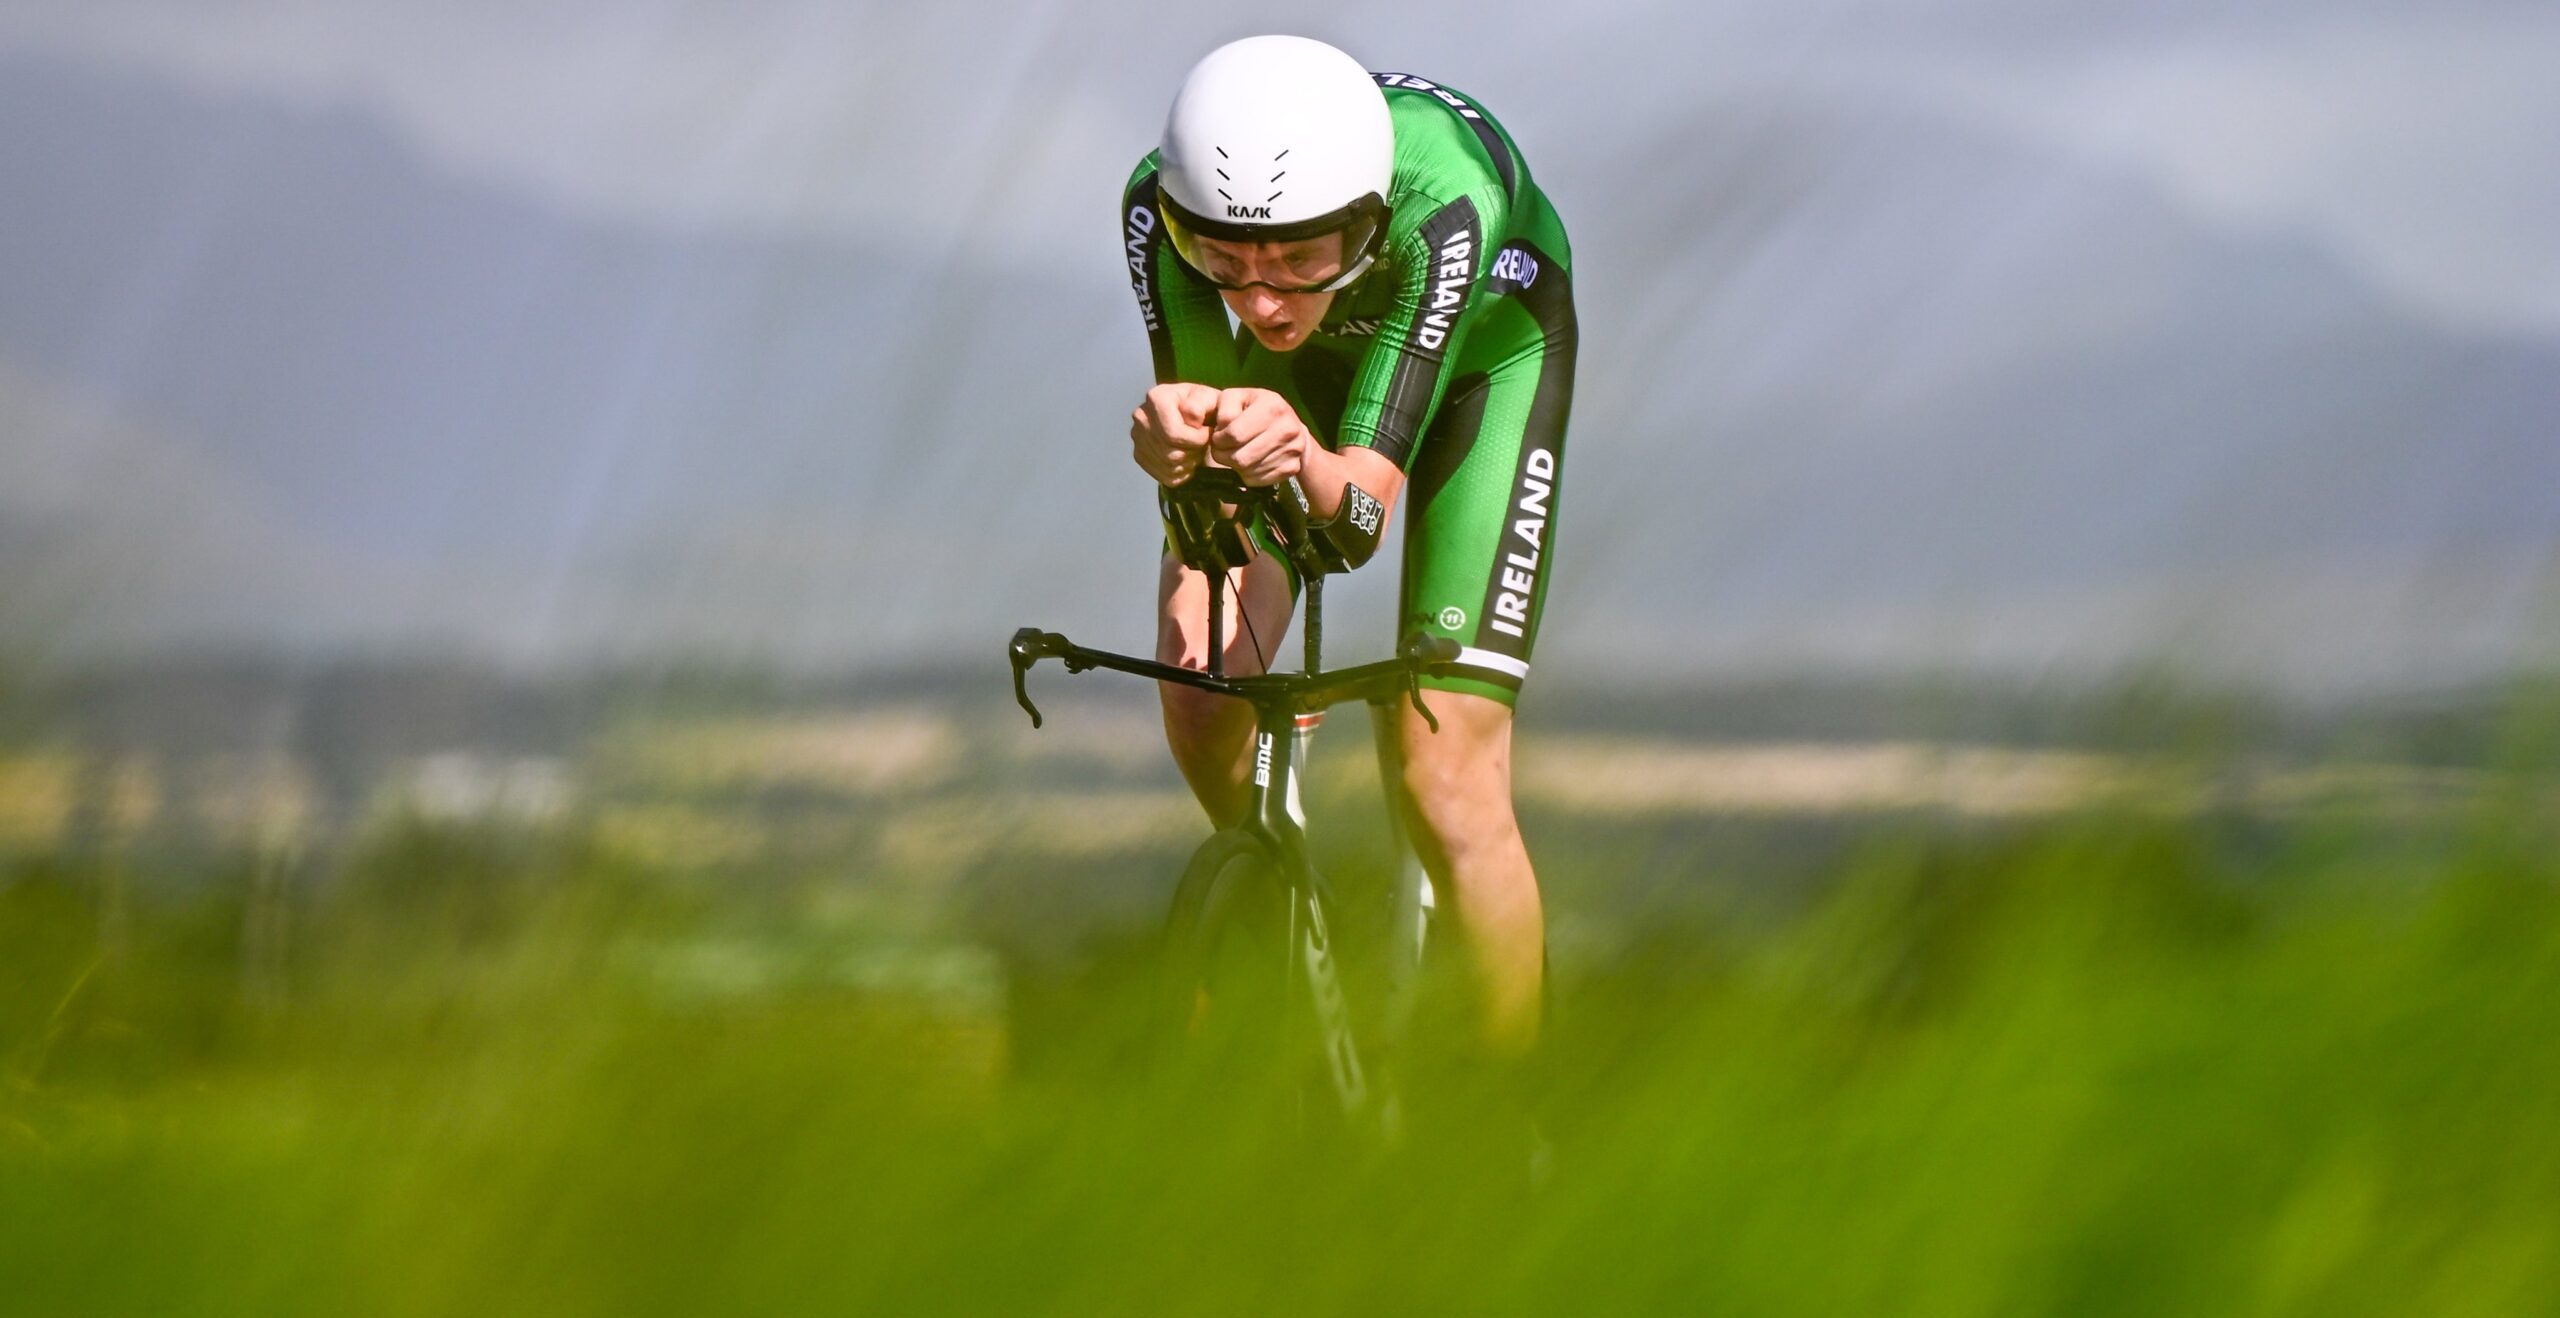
{"x":1250,"y":980}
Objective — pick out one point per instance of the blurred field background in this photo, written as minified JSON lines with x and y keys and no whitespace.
{"x":2044,"y":763}
{"x":797,"y":1002}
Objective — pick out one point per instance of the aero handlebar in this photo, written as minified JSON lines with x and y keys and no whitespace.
{"x":1302,"y":692}
{"x":1205,"y":519}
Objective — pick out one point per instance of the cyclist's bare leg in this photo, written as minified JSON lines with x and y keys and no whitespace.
{"x":1212,"y":736}
{"x":1456,"y":799}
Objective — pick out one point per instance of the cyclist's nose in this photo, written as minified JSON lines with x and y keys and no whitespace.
{"x":1264,"y":303}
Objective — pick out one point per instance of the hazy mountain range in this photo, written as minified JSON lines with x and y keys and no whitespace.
{"x":1861,"y":388}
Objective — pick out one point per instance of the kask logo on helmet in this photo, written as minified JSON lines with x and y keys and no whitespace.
{"x":1235,"y":212}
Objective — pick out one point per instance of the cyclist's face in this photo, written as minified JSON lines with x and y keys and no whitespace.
{"x":1279,"y":320}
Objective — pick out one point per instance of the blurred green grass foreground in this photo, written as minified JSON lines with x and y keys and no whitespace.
{"x":2117,"y":1056}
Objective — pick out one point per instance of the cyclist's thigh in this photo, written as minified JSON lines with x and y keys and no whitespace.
{"x":1260,"y":597}
{"x":1480,"y":530}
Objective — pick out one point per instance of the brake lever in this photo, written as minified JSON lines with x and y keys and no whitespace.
{"x":1024,"y":652}
{"x":1420,"y":649}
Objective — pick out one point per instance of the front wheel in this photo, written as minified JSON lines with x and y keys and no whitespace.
{"x":1222,"y":1004}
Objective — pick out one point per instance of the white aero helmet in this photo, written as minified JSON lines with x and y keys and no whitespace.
{"x":1273,"y":140}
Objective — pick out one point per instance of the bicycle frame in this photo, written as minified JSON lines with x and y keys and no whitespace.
{"x":1287,"y":709}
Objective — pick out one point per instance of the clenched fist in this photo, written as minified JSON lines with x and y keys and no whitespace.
{"x":1256,"y":432}
{"x":1169,"y":433}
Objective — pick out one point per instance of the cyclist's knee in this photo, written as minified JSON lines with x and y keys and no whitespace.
{"x":1457,"y":782}
{"x":1460,"y":820}
{"x":1207,"y":735}
{"x":1182,"y":641}
{"x":1196,"y":721}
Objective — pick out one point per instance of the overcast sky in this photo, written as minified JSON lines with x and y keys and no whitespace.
{"x":1855,"y":273}
{"x":2415,"y":139}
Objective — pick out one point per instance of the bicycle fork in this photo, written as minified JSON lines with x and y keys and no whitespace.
{"x":1312,"y":963}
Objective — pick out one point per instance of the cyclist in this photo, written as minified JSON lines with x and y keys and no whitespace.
{"x":1403,"y":324}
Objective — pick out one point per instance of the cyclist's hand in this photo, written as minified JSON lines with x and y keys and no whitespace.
{"x":1259,"y":435}
{"x":1169,"y":433}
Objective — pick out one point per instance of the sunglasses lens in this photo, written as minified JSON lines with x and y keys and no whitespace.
{"x":1303,"y":265}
